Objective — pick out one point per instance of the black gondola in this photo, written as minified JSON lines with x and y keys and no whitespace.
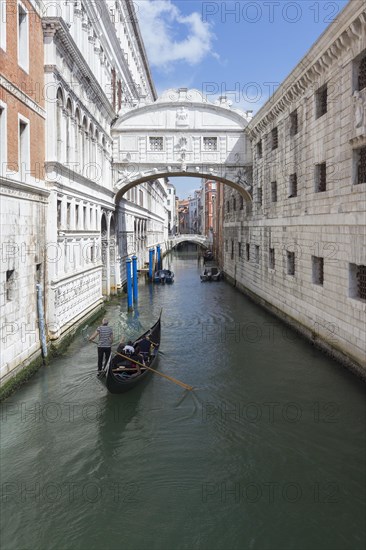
{"x":122,"y":381}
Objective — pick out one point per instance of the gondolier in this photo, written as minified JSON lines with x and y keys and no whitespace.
{"x":105,"y":341}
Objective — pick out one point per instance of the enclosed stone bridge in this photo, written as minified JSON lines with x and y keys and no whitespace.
{"x":182,"y":134}
{"x":201,"y":240}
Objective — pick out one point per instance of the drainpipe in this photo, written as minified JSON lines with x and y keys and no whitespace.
{"x":41,"y":321}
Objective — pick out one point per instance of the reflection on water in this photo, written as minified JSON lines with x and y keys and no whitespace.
{"x":266,"y":453}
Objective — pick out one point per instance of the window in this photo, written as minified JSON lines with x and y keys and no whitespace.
{"x":318,"y":270}
{"x":23,"y":41}
{"x":320,"y":177}
{"x":274,"y":135}
{"x":239,"y":250}
{"x":210,"y":144}
{"x":84,"y":218}
{"x":362,"y":74}
{"x":357,"y":288}
{"x":247,"y":252}
{"x":3,"y":25}
{"x":24,"y":149}
{"x":259,"y":196}
{"x":227,"y":206}
{"x":38,"y":273}
{"x":156,"y":143}
{"x":274,"y":191}
{"x":259,"y":149}
{"x":142,"y":198}
{"x":360,"y":157}
{"x":232,"y":250}
{"x":290,"y":263}
{"x":10,"y":285}
{"x":59,"y":214}
{"x":321,"y":101}
{"x":292,"y":192}
{"x":3,"y":140}
{"x":271,"y":258}
{"x":241,"y":202}
{"x":256,"y":254}
{"x":294,"y":123}
{"x":77,"y":216}
{"x":226,"y":246}
{"x":234,"y":204}
{"x":68,"y":215}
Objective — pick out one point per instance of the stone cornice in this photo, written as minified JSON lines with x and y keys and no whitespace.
{"x":56,"y":27}
{"x":20,"y":190}
{"x":21,"y":96}
{"x":348,"y":28}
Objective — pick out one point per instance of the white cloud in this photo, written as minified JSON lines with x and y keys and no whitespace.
{"x":161,"y":21}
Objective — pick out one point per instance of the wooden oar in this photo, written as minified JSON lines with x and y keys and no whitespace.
{"x":182,"y":384}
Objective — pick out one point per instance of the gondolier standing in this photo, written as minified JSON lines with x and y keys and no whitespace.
{"x":105,"y":341}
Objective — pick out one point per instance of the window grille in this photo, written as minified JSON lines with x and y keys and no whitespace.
{"x":241,"y":203}
{"x":274,"y":138}
{"x":234,"y":204}
{"x":321,"y":178}
{"x":210,"y":144}
{"x":156,"y":143}
{"x":259,"y":196}
{"x":293,"y":186}
{"x":362,"y":74}
{"x":10,"y":284}
{"x":318,"y":270}
{"x":361,"y":281}
{"x":239,"y":250}
{"x":361,"y":168}
{"x":232,"y":250}
{"x":256,"y":254}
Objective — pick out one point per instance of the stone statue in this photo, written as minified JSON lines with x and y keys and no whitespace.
{"x":359,"y":109}
{"x":182,"y":117}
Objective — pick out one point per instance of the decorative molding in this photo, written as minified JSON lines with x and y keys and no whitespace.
{"x":19,"y":190}
{"x":21,"y":96}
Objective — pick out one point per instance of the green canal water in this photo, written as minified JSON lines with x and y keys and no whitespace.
{"x":266,"y":454}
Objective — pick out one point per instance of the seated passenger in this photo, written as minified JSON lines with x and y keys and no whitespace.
{"x":129,"y":349}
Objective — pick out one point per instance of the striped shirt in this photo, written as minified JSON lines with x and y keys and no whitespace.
{"x":105,"y":336}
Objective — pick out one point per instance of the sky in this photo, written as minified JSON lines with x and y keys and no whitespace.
{"x":242,"y":49}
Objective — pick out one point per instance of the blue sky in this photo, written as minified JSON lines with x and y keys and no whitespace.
{"x":243,"y":49}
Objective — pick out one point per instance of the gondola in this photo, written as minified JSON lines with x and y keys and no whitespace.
{"x":164,"y":276}
{"x":122,"y":381}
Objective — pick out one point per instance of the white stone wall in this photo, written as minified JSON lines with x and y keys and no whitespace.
{"x":329,"y":224}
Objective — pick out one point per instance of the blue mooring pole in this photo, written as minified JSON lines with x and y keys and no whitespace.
{"x":135,"y":281}
{"x":158,"y":256}
{"x":151,"y":263}
{"x":129,"y":284}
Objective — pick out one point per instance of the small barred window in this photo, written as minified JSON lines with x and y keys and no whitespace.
{"x":292,"y":186}
{"x":210,"y":144}
{"x":362,"y":74}
{"x":274,"y":138}
{"x":321,"y":177}
{"x":156,"y":143}
{"x":318,"y":270}
{"x":321,"y":97}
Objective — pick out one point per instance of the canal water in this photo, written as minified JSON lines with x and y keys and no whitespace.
{"x":266,"y":454}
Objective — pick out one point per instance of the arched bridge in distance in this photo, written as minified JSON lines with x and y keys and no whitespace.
{"x":200,"y":240}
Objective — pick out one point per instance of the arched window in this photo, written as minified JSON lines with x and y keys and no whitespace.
{"x":91,"y":144}
{"x":68,"y":131}
{"x":77,"y":139}
{"x":84,"y":141}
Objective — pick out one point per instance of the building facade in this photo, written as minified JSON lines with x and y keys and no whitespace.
{"x":299,"y":248}
{"x":24,"y":195}
{"x":172,"y":210}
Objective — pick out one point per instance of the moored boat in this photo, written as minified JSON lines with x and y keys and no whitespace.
{"x":164,"y":276}
{"x":211,"y":274}
{"x":120,"y":375}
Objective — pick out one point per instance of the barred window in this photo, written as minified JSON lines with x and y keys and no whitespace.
{"x":156,"y":143}
{"x":290,"y":262}
{"x":318,"y":270}
{"x":234,"y":203}
{"x":362,"y":74}
{"x":274,"y":138}
{"x":294,"y":127}
{"x":241,"y":202}
{"x":239,"y":250}
{"x":232,"y":250}
{"x":227,"y":206}
{"x":210,"y":144}
{"x":358,"y":281}
{"x":226,"y":246}
{"x":361,"y":165}
{"x":321,"y":101}
{"x":292,"y":192}
{"x":321,"y":177}
{"x":274,"y":191}
{"x":271,"y":259}
{"x":247,"y":252}
{"x":59,"y":214}
{"x":260,"y":149}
